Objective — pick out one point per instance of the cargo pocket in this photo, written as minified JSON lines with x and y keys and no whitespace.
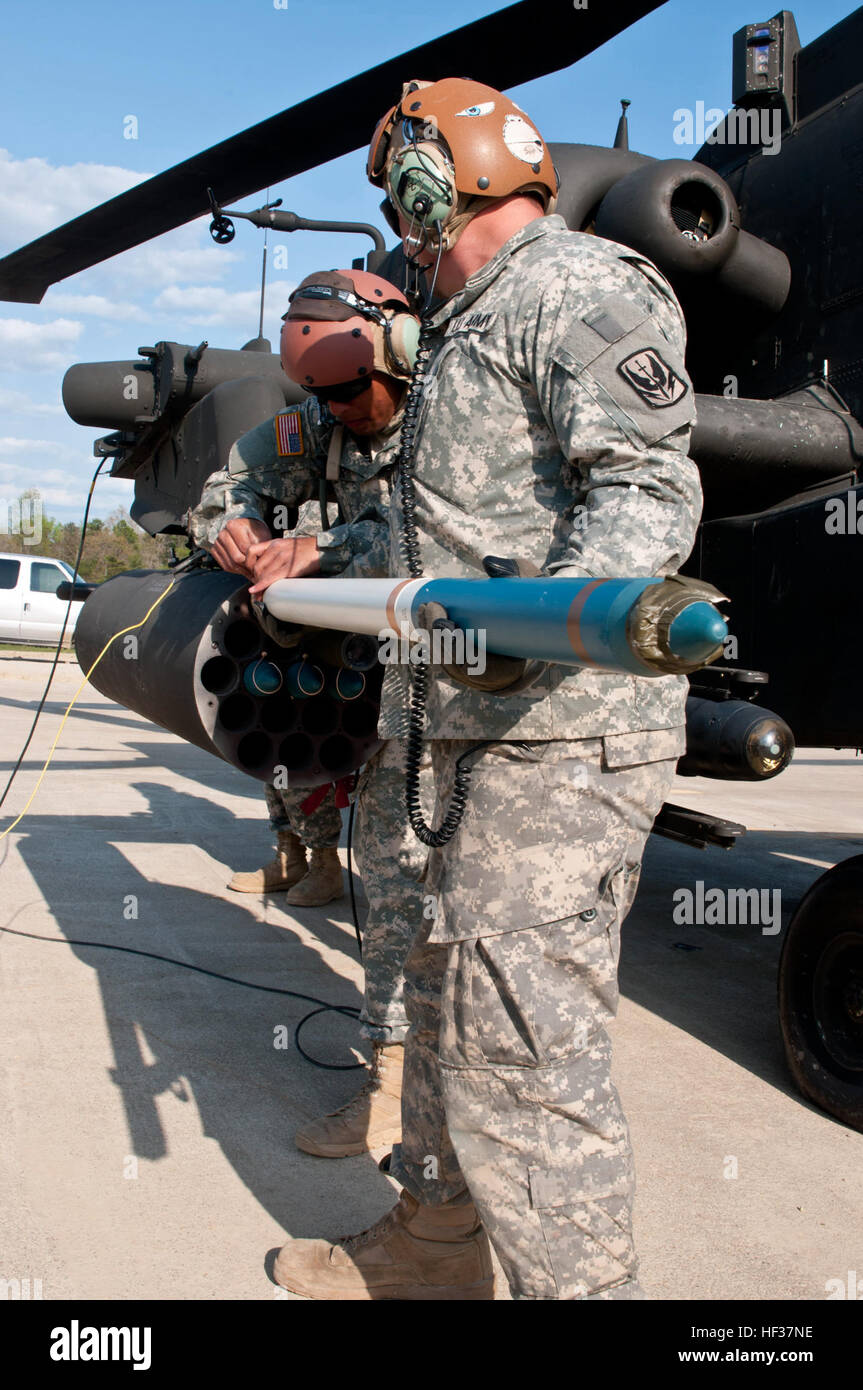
{"x":538,"y":996}
{"x":587,"y":1223}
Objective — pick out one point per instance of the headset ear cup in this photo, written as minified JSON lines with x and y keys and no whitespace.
{"x":422,"y":177}
{"x":404,"y":340}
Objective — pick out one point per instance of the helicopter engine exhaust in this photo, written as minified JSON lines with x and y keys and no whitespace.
{"x":686,"y":219}
{"x":202,"y":668}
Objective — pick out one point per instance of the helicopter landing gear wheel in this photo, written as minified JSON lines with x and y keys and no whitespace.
{"x":821,"y":993}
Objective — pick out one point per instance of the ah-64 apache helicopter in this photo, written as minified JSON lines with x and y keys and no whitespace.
{"x":762,"y":246}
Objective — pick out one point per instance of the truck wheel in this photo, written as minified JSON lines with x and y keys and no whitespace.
{"x":821,"y":993}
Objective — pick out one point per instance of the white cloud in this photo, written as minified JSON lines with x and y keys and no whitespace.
{"x":179,"y":286}
{"x":36,"y":196}
{"x":9,"y":444}
{"x":40,"y":347}
{"x":15,"y":476}
{"x":181,"y":255}
{"x":70,"y":501}
{"x":25,"y":468}
{"x":19,"y":403}
{"x":210,"y":305}
{"x":64,"y":490}
{"x":99,"y":305}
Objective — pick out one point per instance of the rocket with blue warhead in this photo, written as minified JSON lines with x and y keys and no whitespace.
{"x":640,"y":627}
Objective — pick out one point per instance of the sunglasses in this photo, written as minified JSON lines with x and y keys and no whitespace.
{"x":342,"y":392}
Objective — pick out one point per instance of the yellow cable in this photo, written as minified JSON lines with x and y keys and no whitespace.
{"x":121,"y":633}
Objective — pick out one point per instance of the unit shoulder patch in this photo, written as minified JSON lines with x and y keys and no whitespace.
{"x":651,"y":377}
{"x":289,"y":433}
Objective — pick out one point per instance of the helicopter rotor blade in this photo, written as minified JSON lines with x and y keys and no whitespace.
{"x":513,"y":45}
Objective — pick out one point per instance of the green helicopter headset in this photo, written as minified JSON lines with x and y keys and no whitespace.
{"x":421,"y":185}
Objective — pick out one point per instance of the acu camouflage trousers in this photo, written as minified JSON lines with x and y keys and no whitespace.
{"x":391,"y":862}
{"x":507,"y":1089}
{"x":320,"y":830}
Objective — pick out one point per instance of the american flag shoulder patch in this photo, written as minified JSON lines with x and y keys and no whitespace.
{"x":289,"y":433}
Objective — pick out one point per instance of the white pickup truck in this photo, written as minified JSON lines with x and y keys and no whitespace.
{"x":30,"y":610}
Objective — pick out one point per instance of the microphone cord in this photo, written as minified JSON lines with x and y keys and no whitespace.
{"x":419,"y":674}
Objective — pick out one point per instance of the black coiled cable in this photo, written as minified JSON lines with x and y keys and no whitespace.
{"x":410,"y":548}
{"x":409,"y":539}
{"x":413,"y":760}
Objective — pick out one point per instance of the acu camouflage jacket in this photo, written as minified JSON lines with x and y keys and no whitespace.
{"x":258,"y":474}
{"x":554,"y":427}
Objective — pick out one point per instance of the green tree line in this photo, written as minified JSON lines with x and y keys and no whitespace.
{"x":111,"y":546}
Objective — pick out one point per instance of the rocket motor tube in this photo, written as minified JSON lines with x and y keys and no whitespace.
{"x":353,"y":651}
{"x":638,"y":626}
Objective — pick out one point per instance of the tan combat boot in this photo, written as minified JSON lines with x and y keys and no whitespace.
{"x":371,"y":1119}
{"x":288,"y":867}
{"x":321,"y":884}
{"x":414,"y":1252}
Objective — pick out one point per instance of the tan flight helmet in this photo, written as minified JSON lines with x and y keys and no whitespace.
{"x":450,"y":148}
{"x":342,"y":325}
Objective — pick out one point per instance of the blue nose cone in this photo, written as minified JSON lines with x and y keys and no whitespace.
{"x":304,"y":680}
{"x":345,"y":684}
{"x":262,"y":677}
{"x":697,"y":632}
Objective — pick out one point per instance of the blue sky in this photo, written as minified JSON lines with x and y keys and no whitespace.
{"x":193,"y":74}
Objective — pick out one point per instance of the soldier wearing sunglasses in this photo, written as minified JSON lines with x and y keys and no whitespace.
{"x":349,"y":339}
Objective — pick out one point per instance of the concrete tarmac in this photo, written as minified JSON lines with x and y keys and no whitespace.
{"x":149,"y":1109}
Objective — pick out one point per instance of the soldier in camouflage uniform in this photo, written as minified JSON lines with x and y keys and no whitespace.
{"x":553,"y":432}
{"x":343,"y":452}
{"x":297,"y":830}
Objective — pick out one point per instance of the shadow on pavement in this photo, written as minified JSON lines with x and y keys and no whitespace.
{"x":208,"y":1041}
{"x":718,"y":983}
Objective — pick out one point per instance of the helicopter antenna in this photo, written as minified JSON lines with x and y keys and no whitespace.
{"x":621,"y":139}
{"x":263,"y":278}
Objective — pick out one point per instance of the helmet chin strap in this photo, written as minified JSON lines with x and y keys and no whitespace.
{"x":440,"y":239}
{"x":418,"y":239}
{"x":414,"y":241}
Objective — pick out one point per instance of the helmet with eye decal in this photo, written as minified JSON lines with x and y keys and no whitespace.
{"x":469,"y":139}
